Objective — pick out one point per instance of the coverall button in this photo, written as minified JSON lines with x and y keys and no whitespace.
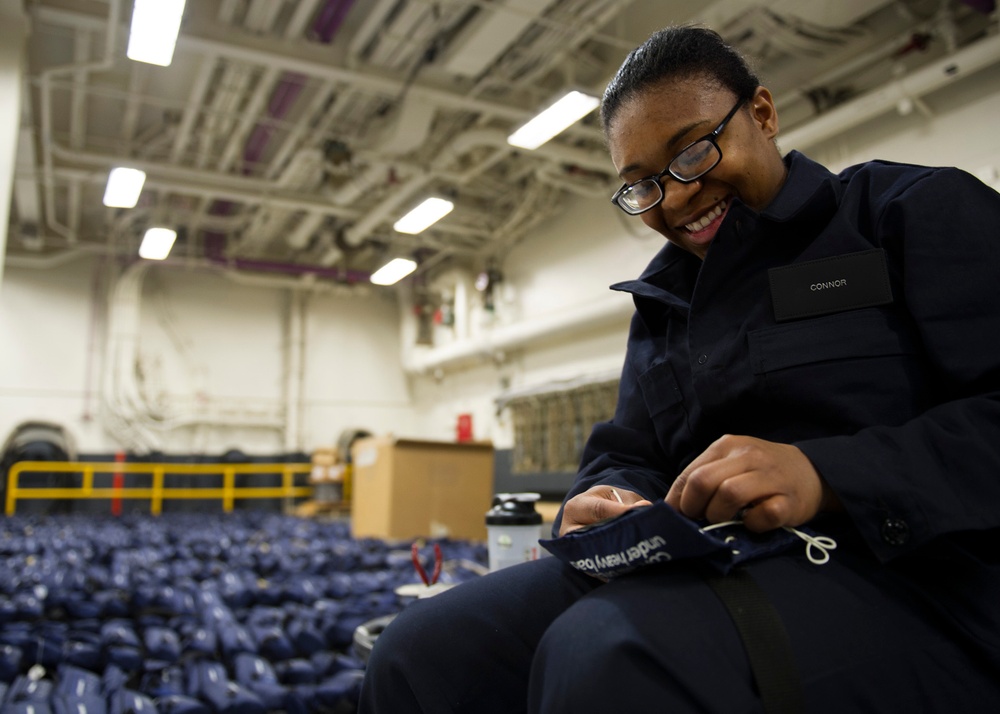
{"x":895,"y":531}
{"x":703,"y":359}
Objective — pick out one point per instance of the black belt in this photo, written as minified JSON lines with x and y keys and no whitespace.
{"x":764,"y":639}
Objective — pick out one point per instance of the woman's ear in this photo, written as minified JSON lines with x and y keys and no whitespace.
{"x":764,"y":113}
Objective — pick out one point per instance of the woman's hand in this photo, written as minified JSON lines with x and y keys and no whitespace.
{"x":597,"y":504}
{"x":770,"y":484}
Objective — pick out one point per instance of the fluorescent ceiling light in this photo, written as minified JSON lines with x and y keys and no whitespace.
{"x":155,"y":24}
{"x":393,"y":271}
{"x":573,"y":107}
{"x":124,"y":187}
{"x":423,"y":216}
{"x":156,"y":243}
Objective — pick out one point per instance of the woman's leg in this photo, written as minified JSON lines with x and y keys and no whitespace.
{"x":660,"y":640}
{"x":469,"y":649}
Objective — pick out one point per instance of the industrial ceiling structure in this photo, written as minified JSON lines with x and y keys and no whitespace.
{"x":288,"y":135}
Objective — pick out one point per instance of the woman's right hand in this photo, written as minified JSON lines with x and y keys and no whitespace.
{"x":597,"y":503}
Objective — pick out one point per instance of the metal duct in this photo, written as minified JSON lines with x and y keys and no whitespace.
{"x":569,"y":320}
{"x":966,"y":61}
{"x":490,"y":33}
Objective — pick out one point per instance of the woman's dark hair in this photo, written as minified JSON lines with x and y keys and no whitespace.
{"x":678,"y":51}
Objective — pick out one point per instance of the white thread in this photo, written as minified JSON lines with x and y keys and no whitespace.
{"x":824,"y":544}
{"x":722,"y":525}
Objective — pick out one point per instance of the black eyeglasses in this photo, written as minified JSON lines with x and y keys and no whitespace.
{"x":694,"y":161}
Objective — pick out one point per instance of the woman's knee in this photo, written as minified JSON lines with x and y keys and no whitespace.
{"x":625,"y":645}
{"x":402,"y":667}
{"x":471,"y":643}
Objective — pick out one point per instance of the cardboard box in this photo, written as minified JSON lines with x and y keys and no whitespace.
{"x":405,"y":488}
{"x":326,"y":456}
{"x":327,"y":474}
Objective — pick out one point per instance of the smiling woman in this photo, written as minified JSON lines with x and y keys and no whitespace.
{"x":652,"y":119}
{"x":807,"y":351}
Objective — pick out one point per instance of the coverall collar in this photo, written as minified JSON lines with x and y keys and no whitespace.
{"x":809,"y":191}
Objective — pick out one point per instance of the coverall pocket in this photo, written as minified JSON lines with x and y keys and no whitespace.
{"x":858,"y":334}
{"x":664,"y":403}
{"x":851,"y":369}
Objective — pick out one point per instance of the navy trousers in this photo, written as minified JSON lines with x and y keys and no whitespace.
{"x":540,"y":637}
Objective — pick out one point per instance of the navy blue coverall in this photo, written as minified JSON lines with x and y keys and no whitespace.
{"x":897,"y":404}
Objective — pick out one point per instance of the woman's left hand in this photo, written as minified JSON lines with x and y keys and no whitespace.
{"x":772,"y":484}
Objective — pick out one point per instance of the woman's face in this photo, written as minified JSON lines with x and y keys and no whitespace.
{"x":649,"y":130}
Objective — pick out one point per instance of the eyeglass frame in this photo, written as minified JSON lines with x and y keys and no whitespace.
{"x":712,"y":137}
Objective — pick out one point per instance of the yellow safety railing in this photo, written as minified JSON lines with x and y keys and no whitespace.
{"x":156,"y":492}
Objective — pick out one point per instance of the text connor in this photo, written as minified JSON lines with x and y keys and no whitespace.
{"x":839,"y":283}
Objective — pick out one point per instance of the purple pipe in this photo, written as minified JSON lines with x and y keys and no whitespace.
{"x":325,"y":26}
{"x":283,"y":97}
{"x":266,"y":266}
{"x":330,"y":18}
{"x":983,"y":6}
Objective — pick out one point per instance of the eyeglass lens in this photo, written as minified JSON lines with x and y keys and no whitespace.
{"x":696,"y":160}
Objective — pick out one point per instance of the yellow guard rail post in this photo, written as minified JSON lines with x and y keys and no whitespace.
{"x":157,"y":491}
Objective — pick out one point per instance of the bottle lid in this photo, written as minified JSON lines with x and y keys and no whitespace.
{"x":514,"y":509}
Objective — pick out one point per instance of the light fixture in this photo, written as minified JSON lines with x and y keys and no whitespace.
{"x":423,"y":216}
{"x":153,"y":35}
{"x":393,"y":271}
{"x":156,"y":243}
{"x":124,"y":187}
{"x":568,"y":110}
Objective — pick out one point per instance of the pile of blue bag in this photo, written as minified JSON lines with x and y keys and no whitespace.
{"x":240,"y":613}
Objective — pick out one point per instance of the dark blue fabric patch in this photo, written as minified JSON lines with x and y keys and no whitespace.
{"x":647,"y":535}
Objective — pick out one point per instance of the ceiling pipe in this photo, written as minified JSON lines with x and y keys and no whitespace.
{"x":330,"y":18}
{"x":555,"y":177}
{"x":195,"y":182}
{"x":246,"y":129}
{"x":610,"y":312}
{"x":261,"y":51}
{"x":302,"y":282}
{"x":48,"y":142}
{"x":299,"y":236}
{"x":130,"y":135}
{"x":26,"y":197}
{"x":583,"y":29}
{"x":261,"y":15}
{"x":287,"y":90}
{"x":283,"y":95}
{"x":223,"y":107}
{"x":375,"y":21}
{"x":855,"y":64}
{"x":592,"y":160}
{"x":266,"y":53}
{"x":269,"y":266}
{"x":54,"y":260}
{"x":490,"y":34}
{"x":357,"y":233}
{"x":199,"y":89}
{"x":984,"y":53}
{"x":488,"y":138}
{"x":409,"y":128}
{"x":74,"y":201}
{"x":78,"y":99}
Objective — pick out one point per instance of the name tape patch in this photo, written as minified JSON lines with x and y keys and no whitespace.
{"x":829,"y":285}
